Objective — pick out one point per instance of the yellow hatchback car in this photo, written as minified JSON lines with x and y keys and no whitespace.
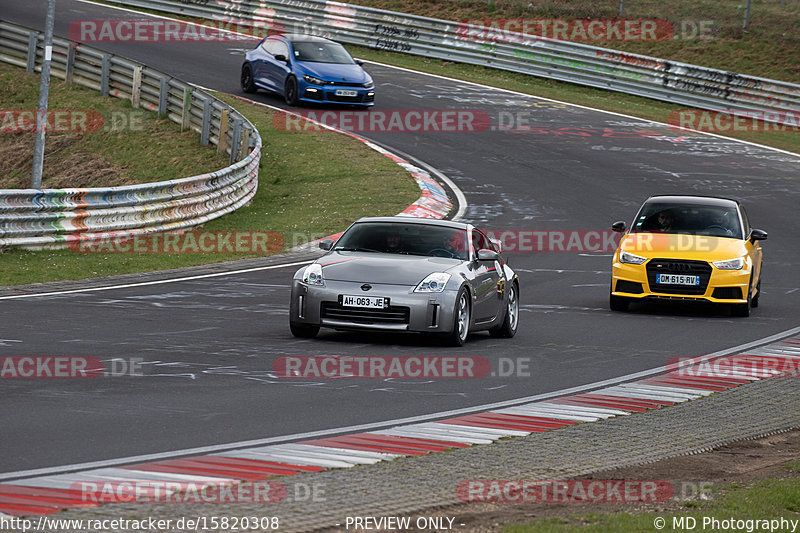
{"x":688,"y":248}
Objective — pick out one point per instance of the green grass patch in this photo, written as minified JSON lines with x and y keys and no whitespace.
{"x":311,"y":184}
{"x":767,"y":499}
{"x":99,"y":141}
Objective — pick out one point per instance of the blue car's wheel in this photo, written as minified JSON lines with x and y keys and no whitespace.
{"x":290,"y":91}
{"x":248,"y":85}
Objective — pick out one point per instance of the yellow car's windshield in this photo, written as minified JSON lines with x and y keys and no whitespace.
{"x":694,"y":219}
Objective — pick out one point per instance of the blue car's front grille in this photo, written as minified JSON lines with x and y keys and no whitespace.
{"x":347,"y":84}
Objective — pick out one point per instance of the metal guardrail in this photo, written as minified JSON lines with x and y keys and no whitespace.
{"x":671,"y":81}
{"x":55,"y":218}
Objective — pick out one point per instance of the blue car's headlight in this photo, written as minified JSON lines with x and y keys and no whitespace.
{"x":314,"y":81}
{"x":313,"y":275}
{"x":369,"y":84}
{"x":433,"y":282}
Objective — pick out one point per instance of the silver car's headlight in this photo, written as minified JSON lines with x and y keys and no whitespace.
{"x":433,"y":282}
{"x":730,"y":264}
{"x":314,"y":81}
{"x":627,"y":257}
{"x":313,"y":275}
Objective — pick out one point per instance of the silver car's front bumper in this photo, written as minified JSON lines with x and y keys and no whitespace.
{"x":407,"y":311}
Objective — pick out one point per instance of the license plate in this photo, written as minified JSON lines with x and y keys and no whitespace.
{"x":371,"y":302}
{"x":346,"y":92}
{"x":677,"y":279}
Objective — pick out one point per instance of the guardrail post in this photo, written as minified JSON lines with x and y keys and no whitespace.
{"x":187,"y":108}
{"x":163,"y":96}
{"x":105,"y":74}
{"x":245,"y":144}
{"x":237,"y":136}
{"x":70,"y":63}
{"x":205,"y":130}
{"x":136,"y":86}
{"x":222,"y":142}
{"x":33,"y":38}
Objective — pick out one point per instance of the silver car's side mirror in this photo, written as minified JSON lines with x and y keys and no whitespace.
{"x":487,"y":255}
{"x":326,"y":244}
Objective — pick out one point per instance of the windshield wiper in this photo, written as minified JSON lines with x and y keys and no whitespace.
{"x":354,"y":249}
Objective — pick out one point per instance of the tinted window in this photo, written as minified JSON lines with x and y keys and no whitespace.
{"x":321,"y":52}
{"x":406,"y":239}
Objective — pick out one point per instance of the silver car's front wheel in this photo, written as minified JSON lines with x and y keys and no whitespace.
{"x":461,"y":319}
{"x":508,"y":328}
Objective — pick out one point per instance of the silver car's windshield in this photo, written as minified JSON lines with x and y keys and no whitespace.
{"x":688,"y":219}
{"x":321,"y":52}
{"x":406,"y":239}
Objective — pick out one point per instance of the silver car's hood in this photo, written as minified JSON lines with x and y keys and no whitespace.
{"x":394,"y":269}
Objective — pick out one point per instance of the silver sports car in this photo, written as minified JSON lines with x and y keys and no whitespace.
{"x":407,"y":274}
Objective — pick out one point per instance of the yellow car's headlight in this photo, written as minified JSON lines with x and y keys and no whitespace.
{"x":627,"y":257}
{"x":730,"y":264}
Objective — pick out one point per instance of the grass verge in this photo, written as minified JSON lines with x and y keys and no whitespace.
{"x":96,"y":141}
{"x":311,"y":184}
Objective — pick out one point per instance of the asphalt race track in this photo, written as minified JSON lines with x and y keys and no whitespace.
{"x":208,"y":345}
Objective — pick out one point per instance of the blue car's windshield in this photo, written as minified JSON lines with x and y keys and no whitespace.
{"x":688,"y":219}
{"x":406,"y":239}
{"x":321,"y":52}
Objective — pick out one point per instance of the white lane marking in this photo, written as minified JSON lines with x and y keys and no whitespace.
{"x":642,"y":395}
{"x":544,"y":413}
{"x":408,"y":420}
{"x":411,"y":431}
{"x":289,"y":459}
{"x":693,"y":393}
{"x":156,"y":282}
{"x":581,"y":409}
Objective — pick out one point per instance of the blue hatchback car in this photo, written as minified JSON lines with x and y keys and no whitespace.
{"x":304,"y":68}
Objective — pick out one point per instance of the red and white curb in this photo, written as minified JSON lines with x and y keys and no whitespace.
{"x":52,"y":493}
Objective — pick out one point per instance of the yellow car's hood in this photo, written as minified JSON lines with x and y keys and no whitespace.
{"x":676,"y":246}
